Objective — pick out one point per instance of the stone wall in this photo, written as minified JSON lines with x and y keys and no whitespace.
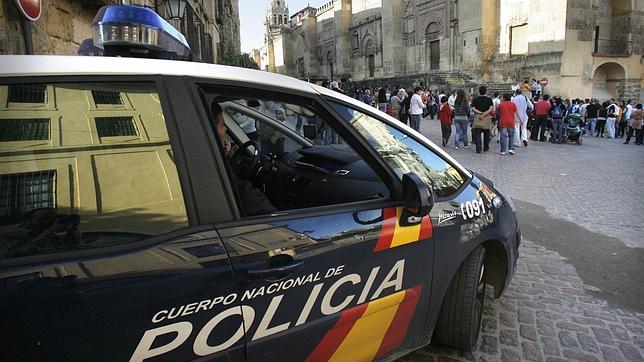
{"x":581,"y":17}
{"x":441,"y":80}
{"x":552,"y":38}
{"x":64,"y":24}
{"x":228,"y":27}
{"x":630,"y":89}
{"x":61,"y":28}
{"x":530,"y":66}
{"x":630,"y":27}
{"x":10,"y":32}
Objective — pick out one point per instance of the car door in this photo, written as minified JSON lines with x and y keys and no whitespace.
{"x":462,"y":211}
{"x":340,"y":279}
{"x":103,"y":254}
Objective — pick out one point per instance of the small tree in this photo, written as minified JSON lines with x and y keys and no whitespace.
{"x":232,"y":57}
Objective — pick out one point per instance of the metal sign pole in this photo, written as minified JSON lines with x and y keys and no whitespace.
{"x":26,"y":34}
{"x":30,"y":10}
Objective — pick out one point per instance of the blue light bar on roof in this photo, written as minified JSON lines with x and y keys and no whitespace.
{"x":135,"y":26}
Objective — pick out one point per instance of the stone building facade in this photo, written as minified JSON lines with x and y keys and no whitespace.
{"x":584,"y":47}
{"x":210,"y":26}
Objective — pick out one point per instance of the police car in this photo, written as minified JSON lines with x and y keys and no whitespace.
{"x":167,"y":210}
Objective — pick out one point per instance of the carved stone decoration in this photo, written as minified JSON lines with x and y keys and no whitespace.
{"x":434,"y":26}
{"x":369,"y":45}
{"x":329,"y":53}
{"x":433,"y":31}
{"x":409,"y":7}
{"x":355,"y":40}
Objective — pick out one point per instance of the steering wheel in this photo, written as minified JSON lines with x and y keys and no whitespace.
{"x":245,"y":162}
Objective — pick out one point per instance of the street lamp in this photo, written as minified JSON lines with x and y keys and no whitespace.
{"x":175,"y":8}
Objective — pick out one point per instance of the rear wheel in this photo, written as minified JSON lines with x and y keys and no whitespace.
{"x":459,"y":321}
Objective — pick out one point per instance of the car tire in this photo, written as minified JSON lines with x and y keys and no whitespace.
{"x":459,"y":321}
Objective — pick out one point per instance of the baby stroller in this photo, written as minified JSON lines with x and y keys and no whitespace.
{"x":574,"y":128}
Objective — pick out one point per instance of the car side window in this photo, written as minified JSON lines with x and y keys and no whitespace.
{"x":256,"y":123}
{"x":84,"y":165}
{"x":284,"y":156}
{"x":404,"y":154}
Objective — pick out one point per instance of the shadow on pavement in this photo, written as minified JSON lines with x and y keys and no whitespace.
{"x":601,"y":261}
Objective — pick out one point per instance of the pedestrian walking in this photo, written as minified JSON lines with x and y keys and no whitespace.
{"x":495,"y":119}
{"x":557,"y":114}
{"x":367,"y":98}
{"x":591,"y":115}
{"x":404,"y":108}
{"x":452,"y":98}
{"x":382,"y":99}
{"x":416,"y":107}
{"x":639,"y":126}
{"x":542,"y":112}
{"x":602,"y":114}
{"x":627,"y":111}
{"x":433,"y":105}
{"x":396,"y":102}
{"x":336,"y":87}
{"x":461,"y":118}
{"x":613,"y":114}
{"x":635,"y":125}
{"x":524,"y":105}
{"x":482,"y":106}
{"x":526,"y":89}
{"x":424,"y":96}
{"x":506,"y":113}
{"x":445,"y":116}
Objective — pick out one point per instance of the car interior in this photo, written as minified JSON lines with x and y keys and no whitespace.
{"x":294,"y":171}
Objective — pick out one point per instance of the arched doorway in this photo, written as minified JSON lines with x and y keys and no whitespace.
{"x":432,"y":45}
{"x":607,"y":79}
{"x":369,"y":52}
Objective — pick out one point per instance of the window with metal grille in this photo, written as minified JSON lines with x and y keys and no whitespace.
{"x":28,"y":93}
{"x":23,"y":192}
{"x":106,"y":97}
{"x":115,"y":126}
{"x":29,"y":129}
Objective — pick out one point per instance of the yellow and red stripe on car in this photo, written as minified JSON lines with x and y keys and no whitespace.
{"x":393,"y":235}
{"x":370,"y":330}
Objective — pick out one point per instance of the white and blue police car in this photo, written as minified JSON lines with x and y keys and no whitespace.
{"x":159,"y":209}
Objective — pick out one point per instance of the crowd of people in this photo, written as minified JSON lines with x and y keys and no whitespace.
{"x":513,"y":119}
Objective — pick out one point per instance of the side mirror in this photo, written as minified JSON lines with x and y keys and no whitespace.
{"x":418,"y":200}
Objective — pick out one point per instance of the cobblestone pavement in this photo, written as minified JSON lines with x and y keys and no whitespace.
{"x":596,"y":185}
{"x":548,"y":313}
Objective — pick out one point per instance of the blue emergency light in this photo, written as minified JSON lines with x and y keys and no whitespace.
{"x":137,"y":32}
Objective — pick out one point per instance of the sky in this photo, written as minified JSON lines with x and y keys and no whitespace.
{"x":252,"y":14}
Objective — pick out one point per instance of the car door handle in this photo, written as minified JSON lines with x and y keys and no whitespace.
{"x":275,"y":273}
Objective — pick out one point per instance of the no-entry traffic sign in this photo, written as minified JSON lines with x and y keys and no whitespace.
{"x":31,"y":9}
{"x":544,"y":81}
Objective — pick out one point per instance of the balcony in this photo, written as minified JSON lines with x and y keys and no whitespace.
{"x":612,"y":48}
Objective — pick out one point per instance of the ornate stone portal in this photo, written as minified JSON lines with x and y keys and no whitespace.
{"x":454,"y":42}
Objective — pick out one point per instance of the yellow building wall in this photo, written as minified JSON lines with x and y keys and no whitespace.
{"x":128,"y":183}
